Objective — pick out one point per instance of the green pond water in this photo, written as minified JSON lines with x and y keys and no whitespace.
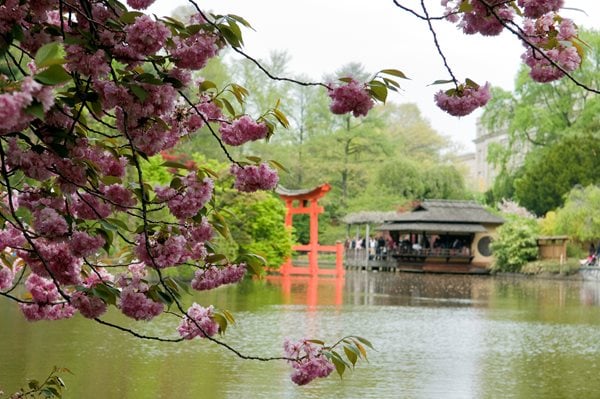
{"x":437,"y":336}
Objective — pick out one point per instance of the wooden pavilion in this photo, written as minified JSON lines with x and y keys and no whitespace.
{"x":436,"y":236}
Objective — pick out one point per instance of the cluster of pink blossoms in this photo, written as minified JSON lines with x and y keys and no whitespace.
{"x":537,"y":8}
{"x":13,"y":104}
{"x":88,"y":305}
{"x":198,"y":322}
{"x":134,"y":301}
{"x":463,"y":100}
{"x":350,"y":97}
{"x":213,"y":276}
{"x":6,"y":278}
{"x":45,"y":297}
{"x":554,"y":38}
{"x":308,"y":361}
{"x":187,"y":202}
{"x":242,"y":130}
{"x":251,"y":178}
{"x":479,"y":18}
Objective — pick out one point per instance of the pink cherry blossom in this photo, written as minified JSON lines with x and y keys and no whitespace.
{"x":464,"y":100}
{"x":308,"y":361}
{"x":47,"y":222}
{"x":38,"y":311}
{"x":88,"y":206}
{"x":89,"y":306}
{"x":164,"y":252}
{"x":198,"y":322}
{"x":82,"y":244}
{"x":194,"y":51}
{"x":537,"y":8}
{"x":11,"y":237}
{"x":119,"y":196}
{"x":187,"y":201}
{"x":200,"y":232}
{"x":88,"y":64}
{"x":213,"y":276}
{"x":242,"y":130}
{"x":140,"y":4}
{"x":138,"y":306}
{"x":146,"y":36}
{"x":543,"y":33}
{"x":252,"y":178}
{"x":350,"y":97}
{"x":53,"y":258}
{"x":6,"y":278}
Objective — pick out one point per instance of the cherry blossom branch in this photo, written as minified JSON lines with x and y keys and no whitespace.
{"x":253,"y":60}
{"x":437,"y":44}
{"x":515,"y":30}
{"x":210,"y":128}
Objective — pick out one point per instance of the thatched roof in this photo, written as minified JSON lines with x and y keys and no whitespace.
{"x":433,"y":227}
{"x":368,"y":217}
{"x":447,"y":211}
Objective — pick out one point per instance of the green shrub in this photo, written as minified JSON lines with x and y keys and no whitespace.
{"x":516,"y":244}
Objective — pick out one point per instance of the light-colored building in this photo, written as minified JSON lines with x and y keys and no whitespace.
{"x":480,"y":172}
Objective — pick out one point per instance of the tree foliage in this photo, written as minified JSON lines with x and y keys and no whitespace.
{"x":579,"y":218}
{"x":549,"y":173}
{"x":516,"y":244}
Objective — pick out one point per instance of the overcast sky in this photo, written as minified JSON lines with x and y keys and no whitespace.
{"x":323,"y":35}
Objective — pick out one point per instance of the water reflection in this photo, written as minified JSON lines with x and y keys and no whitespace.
{"x":438,"y":336}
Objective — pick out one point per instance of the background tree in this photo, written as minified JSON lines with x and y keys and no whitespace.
{"x":549,"y":173}
{"x":579,"y":218}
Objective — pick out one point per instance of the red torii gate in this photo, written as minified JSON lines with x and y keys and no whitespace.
{"x":306,"y":202}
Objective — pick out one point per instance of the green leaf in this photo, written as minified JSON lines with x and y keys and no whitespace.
{"x":465,"y":6}
{"x":471,"y":83}
{"x":129,"y":17}
{"x":53,"y":75}
{"x":230,"y":36}
{"x":213,"y":258}
{"x":278,"y":165}
{"x":228,"y":106}
{"x":379,"y":92}
{"x":365,"y":341}
{"x":36,"y":109}
{"x":49,"y":54}
{"x":119,"y":223}
{"x":254,"y":159}
{"x":228,"y":316}
{"x":173,"y":164}
{"x":351,"y":355}
{"x":139,"y":92}
{"x":281,"y":118}
{"x":33,"y":384}
{"x":394,"y":72}
{"x":207,"y":84}
{"x":316,"y":341}
{"x":240,"y":20}
{"x":441,"y":82}
{"x":339,"y":364}
{"x":221,"y":321}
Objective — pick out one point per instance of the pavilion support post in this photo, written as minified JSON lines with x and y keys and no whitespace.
{"x":339,"y":259}
{"x":367,"y":242}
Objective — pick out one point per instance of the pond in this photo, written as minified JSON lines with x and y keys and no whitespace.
{"x":437,"y":336}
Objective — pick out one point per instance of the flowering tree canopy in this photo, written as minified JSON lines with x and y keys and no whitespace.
{"x":90,"y":88}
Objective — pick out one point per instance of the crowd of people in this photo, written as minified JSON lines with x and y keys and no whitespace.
{"x":380,"y":246}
